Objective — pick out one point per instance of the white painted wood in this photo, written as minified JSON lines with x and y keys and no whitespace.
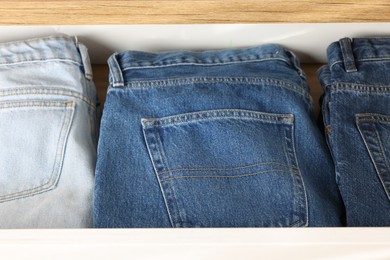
{"x":170,"y":244}
{"x":309,"y":41}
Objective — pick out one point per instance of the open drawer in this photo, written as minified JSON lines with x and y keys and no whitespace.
{"x":309,"y":41}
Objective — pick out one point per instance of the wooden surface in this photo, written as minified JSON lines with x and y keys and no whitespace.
{"x":100,"y":74}
{"x":70,"y":12}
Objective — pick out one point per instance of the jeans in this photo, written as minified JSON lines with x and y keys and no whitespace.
{"x":48,"y":134}
{"x":212,"y":139}
{"x":356,"y":109}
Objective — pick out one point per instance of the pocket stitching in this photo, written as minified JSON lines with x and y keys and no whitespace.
{"x":223,"y":169}
{"x":173,"y":193}
{"x":219,"y":114}
{"x":152,"y":151}
{"x":154,"y":123}
{"x":224,"y":177}
{"x":371,"y":118}
{"x":67,"y":120}
{"x":296,"y":175}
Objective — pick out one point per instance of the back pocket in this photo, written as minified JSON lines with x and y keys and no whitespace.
{"x":227,"y":168}
{"x":375,"y":131}
{"x":33,"y":135}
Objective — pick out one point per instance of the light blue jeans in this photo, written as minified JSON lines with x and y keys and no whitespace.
{"x":212,"y":139}
{"x":48,"y":134}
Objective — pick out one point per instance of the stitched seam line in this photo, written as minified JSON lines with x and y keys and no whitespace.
{"x":42,"y":187}
{"x":363,"y":60}
{"x":206,"y":80}
{"x":203,"y":64}
{"x":163,"y":160}
{"x":219,"y":117}
{"x":370,"y":152}
{"x":223,"y":169}
{"x":359,"y":88}
{"x":38,"y":39}
{"x":153,"y":161}
{"x":373,"y":117}
{"x":191,"y":80}
{"x":223,"y":177}
{"x":381,"y":150}
{"x":19,"y":106}
{"x":46,"y":91}
{"x":41,"y":61}
{"x":219,"y":114}
{"x":237,"y":113}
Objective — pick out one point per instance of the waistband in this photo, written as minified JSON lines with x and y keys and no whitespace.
{"x":349,"y":51}
{"x":135,"y":60}
{"x":51,"y":48}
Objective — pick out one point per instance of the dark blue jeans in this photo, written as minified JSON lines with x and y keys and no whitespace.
{"x":356,"y":109}
{"x":212,"y":139}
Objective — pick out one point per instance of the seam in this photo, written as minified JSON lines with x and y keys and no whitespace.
{"x":222,"y":169}
{"x":32,"y":103}
{"x":381,"y":148}
{"x":363,"y":60}
{"x":359,"y":87}
{"x":206,"y":80}
{"x":38,"y":39}
{"x":70,"y":105}
{"x":218,"y":117}
{"x":223,"y":177}
{"x":219,"y":114}
{"x":10,"y":107}
{"x":47,"y":91}
{"x":203,"y":64}
{"x":373,"y":159}
{"x":191,"y":80}
{"x":65,"y":120}
{"x":41,"y":61}
{"x":373,"y":117}
{"x":146,"y":138}
{"x":298,"y":174}
{"x":157,"y":136}
{"x":237,"y":113}
{"x":47,"y":185}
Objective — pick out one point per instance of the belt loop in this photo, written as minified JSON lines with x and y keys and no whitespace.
{"x":116,"y":77}
{"x":295,"y":63}
{"x":86,"y":61}
{"x":348,"y":58}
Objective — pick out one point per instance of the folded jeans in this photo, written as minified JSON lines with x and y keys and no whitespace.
{"x":356,"y":110}
{"x":48,"y":135}
{"x":212,"y":139}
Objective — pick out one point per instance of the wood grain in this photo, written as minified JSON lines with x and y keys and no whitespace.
{"x":70,"y":12}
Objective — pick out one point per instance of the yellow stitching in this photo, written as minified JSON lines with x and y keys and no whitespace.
{"x":222,"y":177}
{"x":219,"y":117}
{"x":221,"y":169}
{"x":163,"y":161}
{"x":38,"y":189}
{"x":228,"y":112}
{"x":45,"y":91}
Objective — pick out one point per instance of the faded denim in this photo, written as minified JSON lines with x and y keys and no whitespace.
{"x":48,"y":134}
{"x":212,"y":139}
{"x":356,"y":109}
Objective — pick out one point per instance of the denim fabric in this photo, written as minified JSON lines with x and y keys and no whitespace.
{"x":212,"y":139}
{"x":48,"y":134}
{"x":356,"y":109}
